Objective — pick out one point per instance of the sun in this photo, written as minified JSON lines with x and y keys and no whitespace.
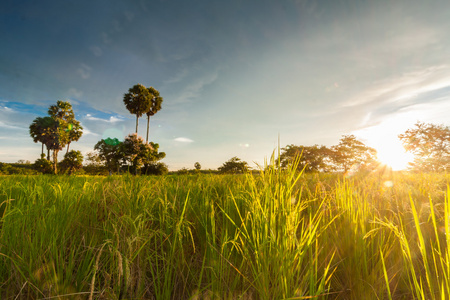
{"x":384,"y":138}
{"x":391,"y":153}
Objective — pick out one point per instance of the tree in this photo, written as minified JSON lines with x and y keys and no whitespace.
{"x":57,"y":130}
{"x":62,"y":114}
{"x":40,"y":130}
{"x":109,"y":152}
{"x":72,"y":162}
{"x":430,"y":145}
{"x":309,"y":158}
{"x":155,"y":106}
{"x":95,"y":165}
{"x":137,"y":153}
{"x":155,"y":168}
{"x":234,"y":165}
{"x":63,"y":111}
{"x":350,"y":153}
{"x":197,"y":166}
{"x":75,"y":131}
{"x":138,"y":101}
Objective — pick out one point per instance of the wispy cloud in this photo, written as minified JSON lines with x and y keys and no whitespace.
{"x":8,"y":126}
{"x":96,"y":50}
{"x":111,"y":119}
{"x":73,"y":92}
{"x":193,"y":88}
{"x":84,"y":71}
{"x":183,"y":140}
{"x":403,"y":87}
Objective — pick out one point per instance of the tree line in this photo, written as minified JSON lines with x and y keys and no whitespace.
{"x":429,"y":143}
{"x":60,"y":128}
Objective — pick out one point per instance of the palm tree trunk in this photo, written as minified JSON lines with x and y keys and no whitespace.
{"x":42,"y":152}
{"x":68,"y":144}
{"x":55,"y":161}
{"x":148,"y":126}
{"x":137,"y":123}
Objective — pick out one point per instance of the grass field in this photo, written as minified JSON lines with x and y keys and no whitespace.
{"x":276,"y":235}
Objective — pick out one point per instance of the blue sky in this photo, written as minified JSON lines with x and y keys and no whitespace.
{"x":235,"y":75}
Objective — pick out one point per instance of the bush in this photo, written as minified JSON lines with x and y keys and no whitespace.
{"x":155,"y":169}
{"x":43,"y":165}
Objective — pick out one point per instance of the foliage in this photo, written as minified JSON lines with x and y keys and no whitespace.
{"x":19,"y":168}
{"x":40,"y":131}
{"x":430,"y":145}
{"x":155,"y":106}
{"x":57,"y":130}
{"x":234,"y":165}
{"x":155,"y":168}
{"x":43,"y":165}
{"x":72,"y":162}
{"x":109,"y":153}
{"x":197,"y":166}
{"x":136,"y":153}
{"x":94,"y":165}
{"x":308,"y":158}
{"x":351,"y":152}
{"x":138,"y":101}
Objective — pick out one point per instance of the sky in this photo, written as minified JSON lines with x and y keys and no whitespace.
{"x":238,"y":78}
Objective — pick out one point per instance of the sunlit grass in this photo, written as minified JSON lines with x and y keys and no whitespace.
{"x":275,"y":235}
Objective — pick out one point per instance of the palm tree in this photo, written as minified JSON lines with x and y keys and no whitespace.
{"x":66,"y":128}
{"x":137,"y":101}
{"x":39,"y":131}
{"x":154,"y":107}
{"x":75,"y":132}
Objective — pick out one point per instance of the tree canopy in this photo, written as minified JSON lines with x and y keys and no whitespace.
{"x":430,"y":145}
{"x":57,"y":130}
{"x":308,"y":158}
{"x":234,"y":165}
{"x":138,"y":101}
{"x":349,"y":153}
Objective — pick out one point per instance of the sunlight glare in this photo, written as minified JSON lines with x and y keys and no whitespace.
{"x":384,"y":138}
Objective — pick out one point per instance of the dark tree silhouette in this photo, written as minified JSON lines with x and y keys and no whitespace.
{"x":154,"y":107}
{"x":308,"y":158}
{"x":351,"y":152}
{"x":430,"y":145}
{"x":40,"y":130}
{"x":234,"y":165}
{"x":138,"y":101}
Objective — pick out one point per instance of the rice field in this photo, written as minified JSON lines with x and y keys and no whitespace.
{"x":272,"y":235}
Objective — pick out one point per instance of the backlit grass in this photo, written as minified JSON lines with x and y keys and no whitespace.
{"x":275,"y":235}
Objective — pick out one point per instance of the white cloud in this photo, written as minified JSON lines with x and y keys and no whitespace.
{"x":183,"y":140}
{"x":112,"y":119}
{"x":86,"y":131}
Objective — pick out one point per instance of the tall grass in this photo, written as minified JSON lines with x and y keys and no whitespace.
{"x":275,"y":235}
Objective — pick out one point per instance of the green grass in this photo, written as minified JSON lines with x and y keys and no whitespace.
{"x":274,"y":235}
